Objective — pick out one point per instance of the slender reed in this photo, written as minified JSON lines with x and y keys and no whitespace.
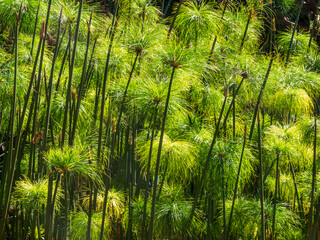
{"x":223,"y":200}
{"x":259,"y":99}
{"x":155,"y":179}
{"x":146,"y":190}
{"x":312,"y":33}
{"x":9,"y":179}
{"x":273,"y":236}
{"x":103,"y":100}
{"x":174,"y":19}
{"x":82,"y":82}
{"x":314,"y":174}
{"x":237,"y":180}
{"x":263,"y":230}
{"x":250,"y":15}
{"x":206,"y":165}
{"x":232,"y":104}
{"x":123,"y":101}
{"x":73,"y":57}
{"x":35,"y":27}
{"x":47,"y":121}
{"x":293,"y":32}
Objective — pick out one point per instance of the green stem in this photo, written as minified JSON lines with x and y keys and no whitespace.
{"x":154,"y":193}
{"x":206,"y":165}
{"x":68,"y":97}
{"x":47,"y":121}
{"x":275,"y":199}
{"x":103,"y":95}
{"x":35,"y":28}
{"x":123,"y":101}
{"x":9,"y":179}
{"x":263,"y":231}
{"x":237,"y":180}
{"x":245,"y":33}
{"x":146,"y":190}
{"x":223,"y":200}
{"x":90,"y":212}
{"x":293,"y":32}
{"x":48,"y":208}
{"x":259,"y":99}
{"x":232,"y":104}
{"x":62,"y":65}
{"x":314,"y":25}
{"x":74,"y":55}
{"x":174,"y":18}
{"x":81,"y":89}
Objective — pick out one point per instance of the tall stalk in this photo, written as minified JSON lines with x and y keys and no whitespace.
{"x":131,"y":159}
{"x":82,"y":82}
{"x":90,"y":65}
{"x":113,"y":142}
{"x":237,"y":180}
{"x":294,"y":31}
{"x":65,"y":205}
{"x":314,"y":174}
{"x":263,"y":230}
{"x":74,"y":56}
{"x":233,"y":115}
{"x":174,"y":18}
{"x":215,"y":38}
{"x":146,"y":191}
{"x":104,"y":85}
{"x":88,"y":233}
{"x":35,"y":27}
{"x":71,"y":68}
{"x":314,"y":25}
{"x":223,"y":200}
{"x":103,"y":101}
{"x":273,"y":236}
{"x":47,"y":121}
{"x":206,"y":165}
{"x":123,"y":101}
{"x":299,"y":200}
{"x":209,"y":218}
{"x":246,"y":29}
{"x":232,"y":104}
{"x":271,"y":28}
{"x":68,"y":97}
{"x":9,"y":179}
{"x":48,"y":221}
{"x":62,"y":64}
{"x":26,"y":100}
{"x":259,"y":99}
{"x":315,"y":225}
{"x":155,"y":179}
{"x":40,"y":68}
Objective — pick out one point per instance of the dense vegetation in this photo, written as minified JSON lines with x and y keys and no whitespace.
{"x":134,"y":119}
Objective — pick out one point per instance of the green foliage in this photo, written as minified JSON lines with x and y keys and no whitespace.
{"x":246,"y":222}
{"x":172,"y":215}
{"x":178,"y":157}
{"x":299,"y":44}
{"x":229,"y":153}
{"x":79,"y":222}
{"x":72,"y":160}
{"x":32,"y":194}
{"x":291,"y":101}
{"x":115,"y":203}
{"x":196,"y":21}
{"x":28,"y":13}
{"x":211,"y":48}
